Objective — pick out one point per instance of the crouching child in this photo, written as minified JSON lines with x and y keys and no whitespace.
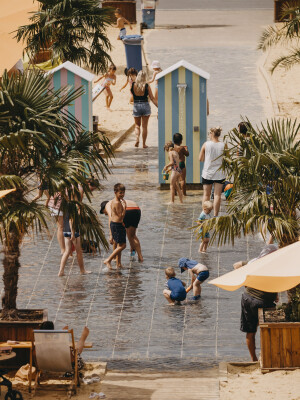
{"x":174,"y":291}
{"x":198,"y":273}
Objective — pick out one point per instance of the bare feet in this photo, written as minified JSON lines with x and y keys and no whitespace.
{"x":108,"y":264}
{"x":119,"y":266}
{"x":85,"y":272}
{"x":145,"y":146}
{"x":61,"y":273}
{"x":137,"y":143}
{"x":141,"y":259}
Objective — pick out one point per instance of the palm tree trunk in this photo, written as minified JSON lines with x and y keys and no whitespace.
{"x":11,"y":266}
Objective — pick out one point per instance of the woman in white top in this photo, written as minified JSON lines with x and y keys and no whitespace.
{"x":211,"y":153}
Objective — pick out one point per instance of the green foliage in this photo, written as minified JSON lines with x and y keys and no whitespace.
{"x":264,"y":168}
{"x":41,"y":141}
{"x":287,"y":34}
{"x":75,"y":30}
{"x":292,"y":308}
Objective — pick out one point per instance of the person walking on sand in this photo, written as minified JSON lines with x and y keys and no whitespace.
{"x":117,"y":228}
{"x":211,"y":153}
{"x":182,"y":152}
{"x":141,"y":91}
{"x":109,"y":79}
{"x":173,"y":166}
{"x":121,"y":21}
{"x":131,"y":222}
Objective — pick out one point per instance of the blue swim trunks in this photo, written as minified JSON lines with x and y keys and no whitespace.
{"x":202,"y":276}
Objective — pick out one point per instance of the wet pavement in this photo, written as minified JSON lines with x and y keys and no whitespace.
{"x":130,"y":323}
{"x":129,"y":319}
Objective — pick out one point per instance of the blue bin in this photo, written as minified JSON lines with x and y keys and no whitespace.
{"x":148,"y":18}
{"x":133,"y":51}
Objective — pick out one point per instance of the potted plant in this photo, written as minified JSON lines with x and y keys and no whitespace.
{"x":264,"y":169}
{"x":41,"y":142}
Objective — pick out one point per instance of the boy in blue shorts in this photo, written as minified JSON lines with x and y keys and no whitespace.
{"x":175,"y":291}
{"x":198,"y":273}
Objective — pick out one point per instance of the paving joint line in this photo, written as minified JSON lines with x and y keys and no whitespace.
{"x":41,"y":268}
{"x":159,"y":265}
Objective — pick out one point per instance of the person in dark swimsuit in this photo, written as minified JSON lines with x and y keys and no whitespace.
{"x":182,"y":152}
{"x":131,"y":222}
{"x":141,"y":107}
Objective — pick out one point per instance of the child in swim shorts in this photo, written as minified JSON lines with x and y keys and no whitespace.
{"x":121,"y":21}
{"x":182,"y":152}
{"x":175,"y":291}
{"x":198,"y":273}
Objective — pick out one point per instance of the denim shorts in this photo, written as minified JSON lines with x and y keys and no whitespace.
{"x":141,"y":109}
{"x":202,"y":276}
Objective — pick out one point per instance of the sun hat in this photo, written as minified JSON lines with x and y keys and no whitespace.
{"x":155,"y":64}
{"x":184,"y":262}
{"x":102,"y":206}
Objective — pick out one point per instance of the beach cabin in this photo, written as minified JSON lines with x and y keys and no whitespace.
{"x":69,"y":74}
{"x":182,"y":107}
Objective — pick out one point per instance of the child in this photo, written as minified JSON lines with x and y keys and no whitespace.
{"x":207,"y":207}
{"x":156,"y":70}
{"x":176,"y":171}
{"x":117,"y":228}
{"x":175,"y":291}
{"x":182,"y":152}
{"x":121,"y":21}
{"x":198,"y":273}
{"x":109,"y":79}
{"x":71,"y":237}
{"x":131,"y":74}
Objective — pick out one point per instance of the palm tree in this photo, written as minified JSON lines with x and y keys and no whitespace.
{"x":266,"y":184}
{"x":287,"y":34}
{"x":74,"y":30}
{"x":41,"y":141}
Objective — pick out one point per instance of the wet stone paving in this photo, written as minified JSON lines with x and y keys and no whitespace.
{"x":129,"y":319}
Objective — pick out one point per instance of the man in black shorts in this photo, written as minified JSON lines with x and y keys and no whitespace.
{"x":131,"y":222}
{"x":252,"y":300}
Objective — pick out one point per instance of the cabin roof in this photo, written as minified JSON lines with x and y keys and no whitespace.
{"x":75,"y":69}
{"x":186,"y":65}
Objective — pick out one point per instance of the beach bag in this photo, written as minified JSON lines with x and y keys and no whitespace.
{"x":228,"y":190}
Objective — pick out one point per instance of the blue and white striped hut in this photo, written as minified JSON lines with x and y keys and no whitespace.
{"x":182,"y":107}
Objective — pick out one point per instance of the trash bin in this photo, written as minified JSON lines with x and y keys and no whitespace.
{"x":133,"y":51}
{"x":148,"y":13}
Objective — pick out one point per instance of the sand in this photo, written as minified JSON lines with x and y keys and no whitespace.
{"x":120,"y":117}
{"x":247,"y":383}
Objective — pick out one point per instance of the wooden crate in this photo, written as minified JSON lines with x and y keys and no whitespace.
{"x":280,"y":344}
{"x":128,"y":8}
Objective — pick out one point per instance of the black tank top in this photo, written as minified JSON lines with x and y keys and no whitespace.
{"x":140,"y":99}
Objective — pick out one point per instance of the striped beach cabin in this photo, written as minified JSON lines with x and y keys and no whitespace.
{"x":182,"y":107}
{"x":69,"y":74}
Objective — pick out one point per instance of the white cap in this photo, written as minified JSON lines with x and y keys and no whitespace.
{"x":155,"y":64}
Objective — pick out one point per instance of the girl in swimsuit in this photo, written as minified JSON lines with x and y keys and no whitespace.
{"x":109,"y":79}
{"x":156,"y":70}
{"x":173,"y":166}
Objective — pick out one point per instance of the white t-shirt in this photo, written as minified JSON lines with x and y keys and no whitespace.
{"x":212,"y":163}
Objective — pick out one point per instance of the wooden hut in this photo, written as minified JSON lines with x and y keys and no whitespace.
{"x":182,"y":107}
{"x":69,"y":74}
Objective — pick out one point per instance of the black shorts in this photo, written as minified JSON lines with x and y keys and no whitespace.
{"x":132,"y":218}
{"x":118,"y":232}
{"x":211,"y":181}
{"x":249,"y":314}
